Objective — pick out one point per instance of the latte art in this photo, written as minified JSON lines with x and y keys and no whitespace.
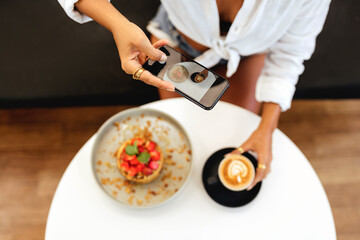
{"x":236,"y":172}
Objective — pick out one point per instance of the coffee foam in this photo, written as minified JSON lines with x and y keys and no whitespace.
{"x":236,"y":172}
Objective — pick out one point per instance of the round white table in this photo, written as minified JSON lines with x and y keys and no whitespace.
{"x":291,"y":204}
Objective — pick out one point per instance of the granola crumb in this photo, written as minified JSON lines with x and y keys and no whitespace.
{"x":117,"y":125}
{"x":105,"y":181}
{"x":180,"y":166}
{"x":99,"y":162}
{"x":166,"y":185}
{"x":182,"y":149}
{"x":166,"y":176}
{"x":115,"y":180}
{"x":152,"y":192}
{"x":169,"y":150}
{"x":180,"y":178}
{"x":130,"y":200}
{"x":128,"y":190}
{"x":139,"y":202}
{"x":174,"y":178}
{"x":148,"y":197}
{"x":170,"y":162}
{"x":114,"y":193}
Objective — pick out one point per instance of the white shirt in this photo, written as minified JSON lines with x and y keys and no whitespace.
{"x":285,"y":29}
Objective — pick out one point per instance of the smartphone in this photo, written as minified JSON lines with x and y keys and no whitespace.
{"x":192,"y":80}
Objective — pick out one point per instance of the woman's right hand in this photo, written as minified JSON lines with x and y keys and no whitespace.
{"x":134,"y":48}
{"x":133,"y":45}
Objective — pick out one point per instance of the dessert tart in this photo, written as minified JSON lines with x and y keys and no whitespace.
{"x":140,"y":160}
{"x":178,"y":73}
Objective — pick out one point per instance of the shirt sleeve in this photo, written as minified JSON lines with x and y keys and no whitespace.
{"x":69,"y":8}
{"x":284,"y":61}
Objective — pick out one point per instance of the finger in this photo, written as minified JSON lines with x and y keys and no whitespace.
{"x":260,"y":172}
{"x":152,"y":52}
{"x":132,"y":66}
{"x":268,"y":166}
{"x":240,"y":150}
{"x":142,"y":58}
{"x":150,"y":79}
{"x":160,"y":43}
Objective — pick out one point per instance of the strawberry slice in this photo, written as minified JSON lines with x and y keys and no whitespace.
{"x":132,"y":172}
{"x":147,"y":171}
{"x":154,"y":155}
{"x":140,"y":167}
{"x":150,"y":145}
{"x":134,"y":162}
{"x":141,"y":149}
{"x":154,"y":165}
{"x":125,"y":166}
{"x":140,"y":141}
{"x":129,"y":157}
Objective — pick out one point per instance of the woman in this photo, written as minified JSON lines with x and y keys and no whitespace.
{"x":260,"y":46}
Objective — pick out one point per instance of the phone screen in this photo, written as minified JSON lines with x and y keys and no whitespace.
{"x":192,"y":80}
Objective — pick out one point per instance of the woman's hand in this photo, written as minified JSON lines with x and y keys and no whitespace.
{"x":133,"y":45}
{"x":134,"y":49}
{"x":260,"y":142}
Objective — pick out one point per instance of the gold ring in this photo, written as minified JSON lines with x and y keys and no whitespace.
{"x":240,"y":149}
{"x":138,"y":73}
{"x":262,"y":166}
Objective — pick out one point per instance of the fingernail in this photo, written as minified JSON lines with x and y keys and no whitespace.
{"x":163,"y":59}
{"x":170,"y":89}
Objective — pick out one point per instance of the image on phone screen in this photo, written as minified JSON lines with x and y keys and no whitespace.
{"x":191,"y":80}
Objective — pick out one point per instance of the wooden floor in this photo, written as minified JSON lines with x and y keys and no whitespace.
{"x":36,"y":145}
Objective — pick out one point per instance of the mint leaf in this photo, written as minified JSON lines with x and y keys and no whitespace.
{"x":132,"y":149}
{"x":144,"y":157}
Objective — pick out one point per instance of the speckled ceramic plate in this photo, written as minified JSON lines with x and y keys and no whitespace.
{"x":166,"y":132}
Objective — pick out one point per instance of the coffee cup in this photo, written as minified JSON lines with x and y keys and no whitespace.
{"x":236,"y":172}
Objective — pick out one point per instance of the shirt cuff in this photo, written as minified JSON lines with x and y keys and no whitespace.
{"x":69,"y":8}
{"x":276,"y":90}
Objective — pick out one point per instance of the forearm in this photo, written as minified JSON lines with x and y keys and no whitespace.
{"x":269,"y":117}
{"x":102,"y":12}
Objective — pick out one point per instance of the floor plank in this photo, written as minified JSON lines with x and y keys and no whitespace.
{"x":36,"y":145}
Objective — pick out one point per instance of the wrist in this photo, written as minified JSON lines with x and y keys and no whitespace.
{"x":119,"y":24}
{"x":270,"y":117}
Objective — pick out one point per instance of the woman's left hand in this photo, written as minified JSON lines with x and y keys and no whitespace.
{"x":260,"y":142}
